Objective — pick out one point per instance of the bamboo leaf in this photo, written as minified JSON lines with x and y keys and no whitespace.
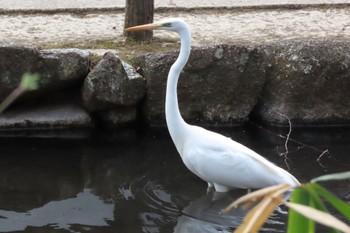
{"x":340,"y":205}
{"x":335,"y":176}
{"x":260,"y":213}
{"x":311,"y":224}
{"x":298,"y":223}
{"x":315,"y":200}
{"x":255,"y":196}
{"x":319,"y":216}
{"x":257,"y":216}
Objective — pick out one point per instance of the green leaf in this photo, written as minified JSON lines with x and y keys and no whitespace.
{"x":335,"y":176}
{"x":340,"y":205}
{"x":316,"y":202}
{"x":296,"y":222}
{"x":29,"y":82}
{"x":319,"y":216}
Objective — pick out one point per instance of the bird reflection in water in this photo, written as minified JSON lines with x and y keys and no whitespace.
{"x":205,"y":215}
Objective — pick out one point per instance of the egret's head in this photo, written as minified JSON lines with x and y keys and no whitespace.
{"x":168,"y":24}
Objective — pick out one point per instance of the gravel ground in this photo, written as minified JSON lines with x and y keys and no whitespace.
{"x":59,"y":4}
{"x":208,"y":27}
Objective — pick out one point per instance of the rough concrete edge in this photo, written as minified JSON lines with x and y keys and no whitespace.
{"x":83,"y":11}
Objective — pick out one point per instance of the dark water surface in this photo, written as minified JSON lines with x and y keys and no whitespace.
{"x":136,"y":182}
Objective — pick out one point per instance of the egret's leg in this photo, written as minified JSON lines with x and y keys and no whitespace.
{"x":220,"y":188}
{"x":210,"y":187}
{"x":218,"y":195}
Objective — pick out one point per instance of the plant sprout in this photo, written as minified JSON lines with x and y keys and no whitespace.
{"x":28,"y":82}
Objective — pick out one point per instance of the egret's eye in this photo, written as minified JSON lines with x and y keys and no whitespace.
{"x":166,"y":25}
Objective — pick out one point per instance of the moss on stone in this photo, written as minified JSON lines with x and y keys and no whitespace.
{"x":127,"y":50}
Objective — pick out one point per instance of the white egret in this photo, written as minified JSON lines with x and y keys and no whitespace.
{"x":220,"y":161}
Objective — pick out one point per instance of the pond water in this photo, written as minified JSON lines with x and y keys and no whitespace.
{"x":135,"y":181}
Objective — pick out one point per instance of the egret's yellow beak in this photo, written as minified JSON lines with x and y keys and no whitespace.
{"x":150,"y":26}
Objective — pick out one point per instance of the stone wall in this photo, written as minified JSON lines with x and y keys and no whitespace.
{"x":307,"y":82}
{"x":219,"y":85}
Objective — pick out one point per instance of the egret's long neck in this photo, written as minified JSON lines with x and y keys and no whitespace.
{"x":176,"y":125}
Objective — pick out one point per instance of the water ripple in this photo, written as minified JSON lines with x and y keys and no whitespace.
{"x":203,"y":214}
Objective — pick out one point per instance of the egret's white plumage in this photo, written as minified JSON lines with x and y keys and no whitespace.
{"x":220,"y":161}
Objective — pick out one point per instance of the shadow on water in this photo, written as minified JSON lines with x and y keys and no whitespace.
{"x":138,"y":184}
